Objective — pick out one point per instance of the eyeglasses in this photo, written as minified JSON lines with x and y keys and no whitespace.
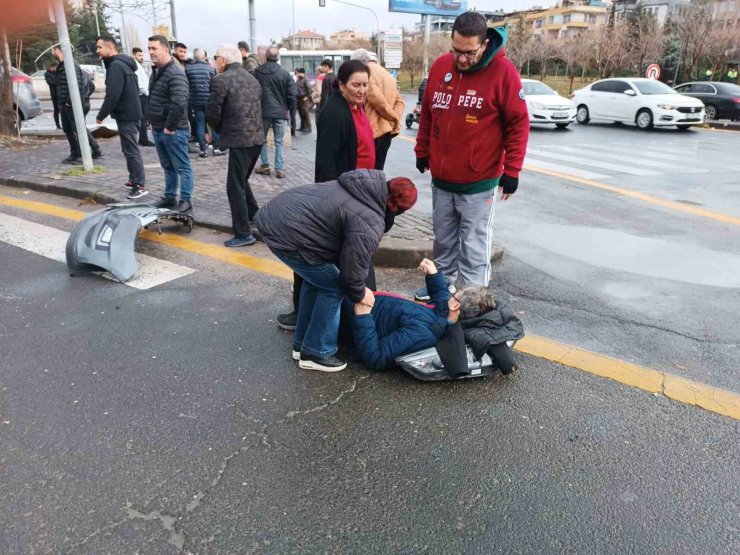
{"x":216,"y":58}
{"x":469,"y":54}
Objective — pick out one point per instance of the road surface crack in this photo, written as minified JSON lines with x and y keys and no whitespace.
{"x":351,"y":389}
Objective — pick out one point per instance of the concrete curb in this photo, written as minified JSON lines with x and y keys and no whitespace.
{"x":396,"y":253}
{"x":724,"y":125}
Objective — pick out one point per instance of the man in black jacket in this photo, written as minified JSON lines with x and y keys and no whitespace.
{"x":278,"y":99}
{"x":234,"y":111}
{"x":200,"y":75}
{"x":122,"y":103}
{"x":168,"y":115}
{"x":50,"y":76}
{"x":327,"y":84}
{"x":65,"y":108}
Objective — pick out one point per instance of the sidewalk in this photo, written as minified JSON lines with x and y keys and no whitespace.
{"x":37,"y":165}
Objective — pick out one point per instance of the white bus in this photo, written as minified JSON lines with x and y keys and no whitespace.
{"x":311,"y":59}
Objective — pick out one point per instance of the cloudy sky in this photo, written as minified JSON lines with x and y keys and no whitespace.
{"x":208,"y":23}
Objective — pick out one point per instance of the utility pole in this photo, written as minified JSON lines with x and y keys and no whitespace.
{"x":253,"y":28}
{"x":97,"y":25}
{"x":74,"y":90}
{"x":154,"y":18}
{"x":123,"y":28}
{"x":174,"y":18}
{"x":427,"y":21}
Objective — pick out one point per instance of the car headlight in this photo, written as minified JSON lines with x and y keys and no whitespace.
{"x":666,"y":106}
{"x":536,"y":106}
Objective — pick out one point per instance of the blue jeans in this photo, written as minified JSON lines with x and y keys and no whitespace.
{"x":318,"y":310}
{"x":278,"y":130}
{"x":173,"y":156}
{"x":200,"y":127}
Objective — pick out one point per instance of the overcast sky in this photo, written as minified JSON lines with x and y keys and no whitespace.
{"x":208,"y":23}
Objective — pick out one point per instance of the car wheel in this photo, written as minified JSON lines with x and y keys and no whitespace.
{"x":644,"y":120}
{"x":710,"y":111}
{"x":409,"y":121}
{"x":582,"y":114}
{"x":562,"y":125}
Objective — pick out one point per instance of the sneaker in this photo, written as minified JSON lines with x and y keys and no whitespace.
{"x":184,"y":206}
{"x":423,"y":295}
{"x":322,"y":364}
{"x":296,"y":355}
{"x":137,"y":192}
{"x":279,"y":174}
{"x":287,"y":321}
{"x":97,"y":155}
{"x":203,"y":154}
{"x":129,"y":185}
{"x":166,"y":202}
{"x":218,"y":152}
{"x":72,"y":160}
{"x":148,"y":143}
{"x":241,"y":241}
{"x":263,"y":170}
{"x":193,"y":149}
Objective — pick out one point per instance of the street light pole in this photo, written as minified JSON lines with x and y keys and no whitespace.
{"x":252,"y":28}
{"x":123,"y":27}
{"x":174,"y":18}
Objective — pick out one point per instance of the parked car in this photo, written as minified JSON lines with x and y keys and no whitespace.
{"x":547,"y":106}
{"x":721,"y":100}
{"x":24,"y":97}
{"x":98,"y":75}
{"x":40,"y":85}
{"x":645,"y":102}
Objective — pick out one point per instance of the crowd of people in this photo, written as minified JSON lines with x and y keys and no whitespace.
{"x":472,"y":138}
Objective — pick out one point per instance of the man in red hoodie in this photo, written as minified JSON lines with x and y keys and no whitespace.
{"x":473,"y":136}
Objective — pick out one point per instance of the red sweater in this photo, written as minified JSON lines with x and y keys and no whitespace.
{"x":365,"y":140}
{"x":474,"y":126}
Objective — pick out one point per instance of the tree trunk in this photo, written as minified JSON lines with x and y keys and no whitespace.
{"x":7,"y":118}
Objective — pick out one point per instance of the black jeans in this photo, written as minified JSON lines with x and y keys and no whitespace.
{"x":382,"y":144}
{"x":298,"y":282}
{"x":144,"y":101}
{"x":68,"y":125}
{"x":56,"y":112}
{"x":128,"y":132}
{"x":241,"y":199}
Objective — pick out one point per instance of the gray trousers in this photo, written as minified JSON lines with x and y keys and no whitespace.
{"x":128,"y":132}
{"x":463,"y":235}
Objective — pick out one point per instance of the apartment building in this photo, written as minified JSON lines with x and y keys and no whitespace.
{"x":566,"y":20}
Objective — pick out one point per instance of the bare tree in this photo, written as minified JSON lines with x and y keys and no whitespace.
{"x":724,"y":42}
{"x":413,"y":54}
{"x":611,"y":48}
{"x":647,"y":39}
{"x":693,"y":31}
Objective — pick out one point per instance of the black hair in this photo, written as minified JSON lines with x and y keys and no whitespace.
{"x":161,"y":39}
{"x":328,"y":63}
{"x":107,"y":38}
{"x":347,"y":69}
{"x":300,"y":70}
{"x":136,"y":50}
{"x":243,"y":44}
{"x":471,"y":24}
{"x":180,"y":45}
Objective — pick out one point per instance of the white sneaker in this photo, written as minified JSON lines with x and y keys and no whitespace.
{"x":296,"y":355}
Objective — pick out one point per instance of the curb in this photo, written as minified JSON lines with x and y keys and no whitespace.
{"x":725,"y":126}
{"x":397,"y":253}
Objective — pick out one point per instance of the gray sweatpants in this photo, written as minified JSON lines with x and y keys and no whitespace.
{"x":463,"y":235}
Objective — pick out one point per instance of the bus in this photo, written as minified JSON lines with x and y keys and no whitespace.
{"x":310,"y":60}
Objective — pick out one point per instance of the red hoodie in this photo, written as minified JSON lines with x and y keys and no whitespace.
{"x":474,"y":125}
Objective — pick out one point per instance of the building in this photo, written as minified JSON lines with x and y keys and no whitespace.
{"x":304,"y":40}
{"x":726,"y":11}
{"x":661,"y":10}
{"x":347,"y":36}
{"x":566,"y":20}
{"x":442,"y":25}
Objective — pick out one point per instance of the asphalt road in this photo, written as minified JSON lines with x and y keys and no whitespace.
{"x":173,"y":420}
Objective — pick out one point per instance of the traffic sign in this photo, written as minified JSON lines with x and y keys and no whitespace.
{"x":653,"y":72}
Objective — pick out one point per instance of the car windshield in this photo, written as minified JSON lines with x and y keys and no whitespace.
{"x":653,"y":87}
{"x":532,"y":88}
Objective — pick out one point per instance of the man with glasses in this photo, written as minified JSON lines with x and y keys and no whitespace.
{"x":472,"y":136}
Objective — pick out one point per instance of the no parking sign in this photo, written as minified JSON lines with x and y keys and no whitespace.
{"x":653,"y":72}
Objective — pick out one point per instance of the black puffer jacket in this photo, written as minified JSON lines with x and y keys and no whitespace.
{"x":168,"y":97}
{"x":234,"y":108}
{"x":493,"y":328}
{"x":336,"y":140}
{"x":199,"y":75}
{"x":51,"y":79}
{"x":121,"y":90}
{"x":278,"y":90}
{"x":339,"y":222}
{"x":63,"y":99}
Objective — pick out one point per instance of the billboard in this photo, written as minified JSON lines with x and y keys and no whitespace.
{"x":430,"y":7}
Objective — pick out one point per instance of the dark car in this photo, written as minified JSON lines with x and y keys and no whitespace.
{"x":721,"y":100}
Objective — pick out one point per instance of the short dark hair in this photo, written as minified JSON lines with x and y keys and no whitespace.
{"x":471,"y":24}
{"x":136,"y":50}
{"x":300,"y":70}
{"x":181,"y":45}
{"x":243,"y":44}
{"x":108,"y":39}
{"x":57,"y":47}
{"x":161,"y":39}
{"x":328,"y":63}
{"x":348,"y":68}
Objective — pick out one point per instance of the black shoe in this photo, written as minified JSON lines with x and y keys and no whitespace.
{"x":203,"y":155}
{"x":183,"y":206}
{"x":287,"y":321}
{"x":129,"y":185}
{"x":97,"y":155}
{"x":137,"y":191}
{"x":147,"y":144}
{"x":322,"y":364}
{"x":73,"y":161}
{"x":166,"y":202}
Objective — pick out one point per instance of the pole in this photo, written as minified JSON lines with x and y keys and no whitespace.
{"x":174,"y":18}
{"x":154,"y":18}
{"x":97,"y":25}
{"x":74,"y":91}
{"x":253,"y":27}
{"x":123,"y":28}
{"x":427,"y":21}
{"x":293,"y":30}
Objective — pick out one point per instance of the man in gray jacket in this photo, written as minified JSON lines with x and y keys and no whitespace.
{"x":278,"y":99}
{"x":234,"y":111}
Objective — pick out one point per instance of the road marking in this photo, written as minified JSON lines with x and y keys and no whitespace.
{"x":571,"y":171}
{"x":640,"y":159}
{"x":636,"y":152}
{"x":51,"y":243}
{"x":593,"y":163}
{"x":683,"y":390}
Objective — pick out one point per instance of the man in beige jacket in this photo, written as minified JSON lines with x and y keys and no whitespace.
{"x":384,"y":105}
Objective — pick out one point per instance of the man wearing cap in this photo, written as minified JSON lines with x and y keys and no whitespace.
{"x":303,"y":89}
{"x":473,"y":135}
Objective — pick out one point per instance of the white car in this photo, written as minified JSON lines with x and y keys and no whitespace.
{"x":645,"y":102}
{"x":547,"y":106}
